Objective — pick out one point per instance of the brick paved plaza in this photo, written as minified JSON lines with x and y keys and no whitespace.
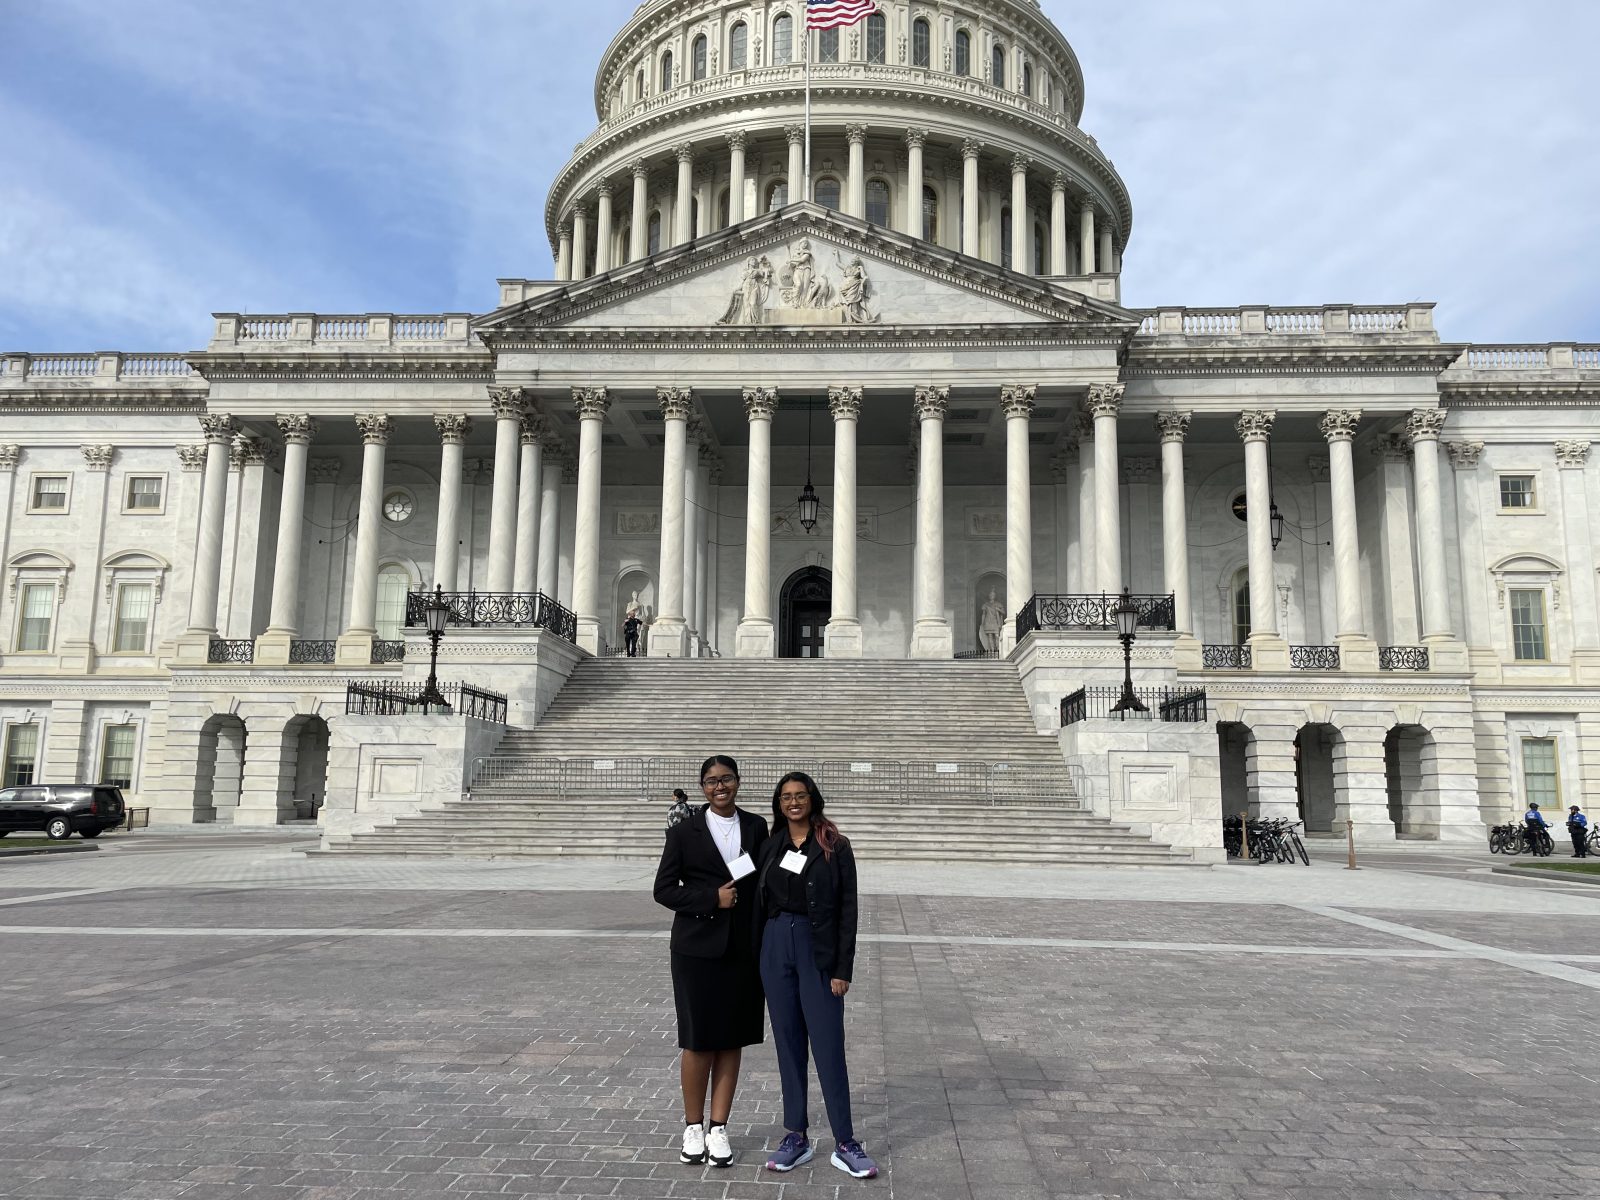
{"x":217,"y":1017}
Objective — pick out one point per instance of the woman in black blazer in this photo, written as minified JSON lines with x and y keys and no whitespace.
{"x":707,"y":876}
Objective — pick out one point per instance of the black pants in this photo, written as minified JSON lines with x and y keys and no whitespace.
{"x":1534,"y":841}
{"x":1580,"y":840}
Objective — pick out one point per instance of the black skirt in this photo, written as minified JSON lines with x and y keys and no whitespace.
{"x":720,"y":1002}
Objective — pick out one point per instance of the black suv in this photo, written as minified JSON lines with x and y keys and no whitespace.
{"x":60,"y":809}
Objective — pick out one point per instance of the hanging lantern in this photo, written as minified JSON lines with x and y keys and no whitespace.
{"x":1275,"y":519}
{"x":809,"y":504}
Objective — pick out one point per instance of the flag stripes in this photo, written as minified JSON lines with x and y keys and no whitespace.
{"x":831,"y":14}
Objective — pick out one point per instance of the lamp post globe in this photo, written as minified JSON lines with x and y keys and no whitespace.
{"x":436,"y":614}
{"x":1127,"y":615}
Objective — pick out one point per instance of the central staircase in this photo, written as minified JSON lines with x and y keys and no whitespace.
{"x":919,"y":760}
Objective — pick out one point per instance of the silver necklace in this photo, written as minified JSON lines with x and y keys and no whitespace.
{"x":729,"y":845}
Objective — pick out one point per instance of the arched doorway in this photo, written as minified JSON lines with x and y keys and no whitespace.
{"x":1315,"y":748}
{"x":219,"y":769}
{"x":804,"y":606}
{"x":306,"y":739}
{"x":1406,"y":748}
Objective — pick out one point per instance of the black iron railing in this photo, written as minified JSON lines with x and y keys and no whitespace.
{"x":1225,"y":658}
{"x":232,"y":650}
{"x":1093,"y":612}
{"x":1165,"y":704}
{"x":387,"y":652}
{"x":1402,"y":658}
{"x":312,"y":652}
{"x":497,"y":608}
{"x":1314,"y":658}
{"x":964,"y":654}
{"x":381,"y":698}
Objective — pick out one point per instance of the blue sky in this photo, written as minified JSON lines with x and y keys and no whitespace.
{"x":165,"y":159}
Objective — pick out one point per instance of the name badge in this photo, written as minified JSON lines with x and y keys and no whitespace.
{"x":741,"y":866}
{"x":793,"y":861}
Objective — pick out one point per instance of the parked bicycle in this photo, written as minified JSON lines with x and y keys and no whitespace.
{"x":1276,"y":840}
{"x":1506,"y":839}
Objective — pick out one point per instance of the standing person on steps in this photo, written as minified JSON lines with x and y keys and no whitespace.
{"x":707,"y":877}
{"x":807,"y":890}
{"x":1578,"y":828}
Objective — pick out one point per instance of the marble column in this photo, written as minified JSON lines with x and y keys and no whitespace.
{"x":1064,"y":478}
{"x":1107,"y":260}
{"x":1475,"y":604}
{"x":1105,"y":401}
{"x":1173,"y":428}
{"x":971,"y":238}
{"x":526,"y":559}
{"x":547,"y":578}
{"x":591,"y":405}
{"x":756,"y":637}
{"x":707,"y":569}
{"x":564,"y":254}
{"x":580,"y":243}
{"x":855,"y":204}
{"x":1020,"y":225}
{"x":284,"y":615}
{"x":1086,"y":263}
{"x":736,"y":147}
{"x":1017,"y":404}
{"x":931,"y":637}
{"x":219,"y":430}
{"x":683,"y":207}
{"x":1357,"y":650}
{"x":639,"y":222}
{"x":1268,"y":649}
{"x":1058,"y":224}
{"x":693,"y":431}
{"x":915,"y":140}
{"x":1423,"y":428}
{"x":1086,"y":580}
{"x":796,"y":136}
{"x":355,"y":645}
{"x":453,"y":429}
{"x":509,"y":406}
{"x":842,"y":637}
{"x":669,"y":635}
{"x":602,"y":230}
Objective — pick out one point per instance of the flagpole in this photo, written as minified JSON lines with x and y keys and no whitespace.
{"x":806,"y":190}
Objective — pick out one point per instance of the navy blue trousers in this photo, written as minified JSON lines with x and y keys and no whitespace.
{"x":804,"y":1008}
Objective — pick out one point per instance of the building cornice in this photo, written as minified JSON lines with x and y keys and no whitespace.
{"x":142,"y":401}
{"x":720,"y":337}
{"x":1309,"y":356}
{"x":460,"y":365}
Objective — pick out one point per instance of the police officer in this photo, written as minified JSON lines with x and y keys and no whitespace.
{"x":1535,"y":827}
{"x":1578,"y":827}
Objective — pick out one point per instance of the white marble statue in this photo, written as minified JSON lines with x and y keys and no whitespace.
{"x":991,"y":620}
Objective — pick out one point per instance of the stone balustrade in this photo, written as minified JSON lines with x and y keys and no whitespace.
{"x":289,"y":330}
{"x":1264,"y":320}
{"x":1552,"y":356}
{"x":101,"y":367}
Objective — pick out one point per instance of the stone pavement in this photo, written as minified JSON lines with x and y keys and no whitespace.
{"x":219,"y":1018}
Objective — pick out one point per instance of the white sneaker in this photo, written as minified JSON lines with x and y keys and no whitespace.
{"x":694,"y":1144}
{"x":717,"y":1146}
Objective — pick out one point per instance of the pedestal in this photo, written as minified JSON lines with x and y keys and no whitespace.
{"x":1446,"y":653}
{"x":932,"y":639}
{"x":589,"y":634}
{"x":756,"y":638}
{"x":1187,"y":653}
{"x":272,"y":648}
{"x":1268,"y":652}
{"x":354,"y":649}
{"x":1357,"y":652}
{"x":193,"y":647}
{"x":842,"y":639}
{"x":669,"y":638}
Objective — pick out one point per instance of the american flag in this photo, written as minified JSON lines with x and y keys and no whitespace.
{"x":830,"y":14}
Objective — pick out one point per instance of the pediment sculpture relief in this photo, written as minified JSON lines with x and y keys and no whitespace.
{"x":800,"y":293}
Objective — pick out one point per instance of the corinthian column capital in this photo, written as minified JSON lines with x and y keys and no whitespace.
{"x":931,"y":402}
{"x":1105,"y":399}
{"x":1340,"y":424}
{"x":760,"y":403}
{"x":375,"y":428}
{"x":844,"y":403}
{"x":676,"y":403}
{"x":1256,"y":424}
{"x":1425,"y":424}
{"x":1173,"y":426}
{"x":508,"y":403}
{"x":297,"y":428}
{"x":591,"y":404}
{"x":453,"y":427}
{"x":1016,"y":399}
{"x":218,"y":427}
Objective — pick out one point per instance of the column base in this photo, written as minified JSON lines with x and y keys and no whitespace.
{"x":589,"y":637}
{"x":1268,"y":652}
{"x":755,"y":638}
{"x":1187,"y":653}
{"x":1446,"y":652}
{"x":194,"y":646}
{"x":354,"y":648}
{"x":669,"y":638}
{"x":272,"y":647}
{"x":931,"y":638}
{"x":1357,"y":652}
{"x":841,"y":638}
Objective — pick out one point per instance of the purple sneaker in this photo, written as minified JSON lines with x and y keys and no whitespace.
{"x":850,"y":1158}
{"x":791,"y":1152}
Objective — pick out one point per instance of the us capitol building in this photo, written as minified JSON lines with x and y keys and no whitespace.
{"x":1364,"y":551}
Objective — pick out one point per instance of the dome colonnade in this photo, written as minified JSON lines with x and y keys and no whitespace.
{"x":955,"y":124}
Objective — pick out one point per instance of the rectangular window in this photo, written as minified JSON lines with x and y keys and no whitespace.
{"x":38,"y":608}
{"x":22,"y":750}
{"x":1527,"y":625}
{"x":144,"y":493}
{"x":116,"y":756}
{"x":134,"y":604}
{"x":1517,"y":491}
{"x":1541,"y":778}
{"x":49,"y":494}
{"x":828,"y":45}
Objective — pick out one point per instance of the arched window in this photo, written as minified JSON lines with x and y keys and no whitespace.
{"x":877,"y":202}
{"x":723,"y":209}
{"x":921,"y":43}
{"x":638,"y":86}
{"x":665,"y":84}
{"x":877,"y":39}
{"x":694,"y":217}
{"x":930,"y":214}
{"x":1005,"y":238}
{"x":1038,"y":248}
{"x":777,"y":195}
{"x":963,"y":52}
{"x":394,"y":581}
{"x":1241,"y":606}
{"x":828,"y":45}
{"x":998,"y":66}
{"x":827,"y":191}
{"x":698,"y":53}
{"x":783,"y":40}
{"x":1027,"y":81}
{"x":739,"y":47}
{"x":653,"y":233}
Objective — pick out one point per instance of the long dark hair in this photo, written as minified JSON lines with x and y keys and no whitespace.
{"x":718,"y":760}
{"x":828,"y":835}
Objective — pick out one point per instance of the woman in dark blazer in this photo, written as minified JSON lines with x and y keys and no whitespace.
{"x":708,"y":878}
{"x":807,"y":890}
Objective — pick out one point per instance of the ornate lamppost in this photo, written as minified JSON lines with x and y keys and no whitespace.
{"x":1127,"y":615}
{"x":436,"y":613}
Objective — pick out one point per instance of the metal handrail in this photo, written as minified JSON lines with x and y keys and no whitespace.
{"x":474,"y":609}
{"x":1093,"y":611}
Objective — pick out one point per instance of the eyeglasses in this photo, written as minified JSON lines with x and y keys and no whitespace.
{"x":720,"y":781}
{"x":788,"y":796}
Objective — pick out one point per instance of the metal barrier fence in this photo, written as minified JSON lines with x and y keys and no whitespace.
{"x":384,"y":698}
{"x":859,"y":779}
{"x":1166,"y":704}
{"x":1093,"y":612}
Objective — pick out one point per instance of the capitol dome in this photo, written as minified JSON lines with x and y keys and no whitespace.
{"x":956,"y":123}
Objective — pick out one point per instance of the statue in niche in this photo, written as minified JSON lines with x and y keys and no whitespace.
{"x":854,"y":292}
{"x":991,"y":621}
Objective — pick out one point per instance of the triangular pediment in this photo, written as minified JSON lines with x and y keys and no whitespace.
{"x":804,"y":268}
